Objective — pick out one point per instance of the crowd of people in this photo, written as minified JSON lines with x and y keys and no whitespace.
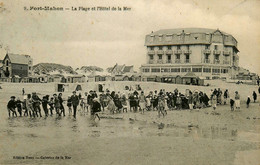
{"x":116,"y":102}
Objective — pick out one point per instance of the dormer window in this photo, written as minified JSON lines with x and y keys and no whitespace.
{"x":7,"y":62}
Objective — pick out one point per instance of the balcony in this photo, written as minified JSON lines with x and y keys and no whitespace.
{"x":206,"y":51}
{"x":151,"y":62}
{"x":177,"y":51}
{"x":216,"y":52}
{"x":226,"y":53}
{"x":178,"y":61}
{"x":168,"y":51}
{"x":207,"y":61}
{"x":168,"y":61}
{"x":216,"y":61}
{"x":187,"y":60}
{"x":159,"y":61}
{"x":187,"y":51}
{"x":226,"y":62}
{"x":160,"y":52}
{"x":151,"y":52}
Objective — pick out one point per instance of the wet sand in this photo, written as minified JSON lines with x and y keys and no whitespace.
{"x":182,"y":137}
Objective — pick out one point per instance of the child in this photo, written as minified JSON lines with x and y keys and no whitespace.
{"x":19,"y":106}
{"x":232,"y":102}
{"x":69,"y":104}
{"x":248,"y":101}
{"x":44,"y":105}
{"x":51,"y":104}
{"x":95,"y":108}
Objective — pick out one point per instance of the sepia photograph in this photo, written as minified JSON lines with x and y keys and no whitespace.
{"x":130,"y":82}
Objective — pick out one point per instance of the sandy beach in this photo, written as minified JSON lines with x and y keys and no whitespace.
{"x":182,"y":137}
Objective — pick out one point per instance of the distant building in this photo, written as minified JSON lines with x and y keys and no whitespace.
{"x":1,"y":69}
{"x":207,"y":53}
{"x":17,"y":65}
{"x":119,"y":70}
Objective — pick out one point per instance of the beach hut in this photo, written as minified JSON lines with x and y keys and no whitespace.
{"x":178,"y":80}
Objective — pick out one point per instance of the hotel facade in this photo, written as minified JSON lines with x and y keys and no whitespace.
{"x":208,"y":53}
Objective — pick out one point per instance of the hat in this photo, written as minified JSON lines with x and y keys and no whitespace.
{"x":74,"y":92}
{"x":12,"y":97}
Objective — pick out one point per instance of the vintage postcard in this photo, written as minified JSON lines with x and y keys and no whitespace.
{"x":126,"y":82}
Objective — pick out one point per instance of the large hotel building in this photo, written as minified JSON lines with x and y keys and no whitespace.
{"x":208,"y":53}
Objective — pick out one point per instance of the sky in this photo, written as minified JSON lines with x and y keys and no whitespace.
{"x":103,"y":38}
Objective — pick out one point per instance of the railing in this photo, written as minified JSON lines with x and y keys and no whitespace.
{"x":168,"y":51}
{"x":160,"y":52}
{"x":206,"y":51}
{"x":226,"y":62}
{"x":159,"y":61}
{"x":216,"y":61}
{"x":207,"y":61}
{"x":216,"y":52}
{"x":151,"y":52}
{"x":187,"y":60}
{"x":169,"y":61}
{"x":187,"y":51}
{"x":225,"y":52}
{"x":177,"y":61}
{"x":177,"y":51}
{"x":151,"y":61}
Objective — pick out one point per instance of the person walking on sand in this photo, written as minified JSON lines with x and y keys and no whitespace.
{"x":214,"y":101}
{"x":23,"y":92}
{"x":142,"y":102}
{"x":254,"y":96}
{"x":11,"y":106}
{"x":96,"y":107}
{"x":69,"y":104}
{"x":248,"y":101}
{"x":75,"y":102}
{"x":232,"y":102}
{"x":237,"y":100}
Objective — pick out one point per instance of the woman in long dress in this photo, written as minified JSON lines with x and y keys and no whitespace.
{"x":111,"y":105}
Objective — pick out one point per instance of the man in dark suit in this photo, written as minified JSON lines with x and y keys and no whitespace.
{"x":75,"y":102}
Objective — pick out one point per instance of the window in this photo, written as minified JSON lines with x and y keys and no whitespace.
{"x":207,"y":47}
{"x":156,"y":70}
{"x":151,"y":48}
{"x":159,"y":56}
{"x":7,"y":63}
{"x":178,"y":57}
{"x":166,"y":70}
{"x":216,"y":47}
{"x":169,"y":47}
{"x":207,"y":70}
{"x":216,"y":57}
{"x":175,"y":69}
{"x":196,"y":69}
{"x":178,"y":47}
{"x":29,"y":68}
{"x":188,"y":47}
{"x":215,"y":70}
{"x":206,"y":56}
{"x":146,"y":70}
{"x":160,"y":47}
{"x":169,"y":57}
{"x":168,"y":37}
{"x":185,"y":69}
{"x":151,"y":57}
{"x":187,"y":57}
{"x":160,"y":38}
{"x":224,"y":70}
{"x":151,"y":38}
